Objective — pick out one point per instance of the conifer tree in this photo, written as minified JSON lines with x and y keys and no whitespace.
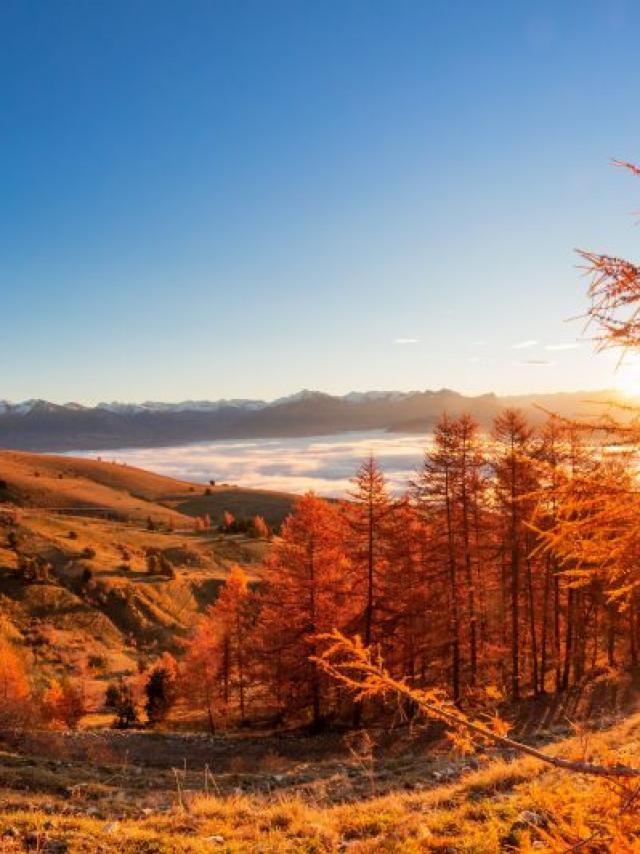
{"x":515,"y":483}
{"x":307,"y":592}
{"x":161,"y":689}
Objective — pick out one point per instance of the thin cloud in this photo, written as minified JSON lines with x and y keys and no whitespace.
{"x":485,"y":360}
{"x":406,"y":341}
{"x":523,"y":345}
{"x":568,"y":346}
{"x":534,"y":363}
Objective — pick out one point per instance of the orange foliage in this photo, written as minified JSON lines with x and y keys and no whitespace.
{"x":15,"y":691}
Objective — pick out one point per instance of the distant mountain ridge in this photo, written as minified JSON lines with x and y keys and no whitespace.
{"x":44,"y":426}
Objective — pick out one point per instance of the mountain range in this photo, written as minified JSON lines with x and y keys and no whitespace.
{"x":44,"y":426}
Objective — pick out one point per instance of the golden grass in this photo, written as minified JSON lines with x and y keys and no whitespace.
{"x":480,"y":813}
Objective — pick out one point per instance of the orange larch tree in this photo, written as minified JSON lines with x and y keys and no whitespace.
{"x":307,"y":592}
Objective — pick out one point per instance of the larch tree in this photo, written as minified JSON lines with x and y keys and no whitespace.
{"x":448,"y":490}
{"x":233,"y":615}
{"x":515,"y":485}
{"x":200,"y":669}
{"x":15,"y":689}
{"x":216,"y":667}
{"x":367,"y":515}
{"x":307,"y":592}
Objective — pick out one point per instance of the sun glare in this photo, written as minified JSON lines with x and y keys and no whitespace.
{"x":627,"y":379}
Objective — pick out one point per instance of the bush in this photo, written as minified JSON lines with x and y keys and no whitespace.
{"x":88,"y":552}
{"x":72,"y":535}
{"x":161,"y":689}
{"x":120,"y":698}
{"x":112,"y":695}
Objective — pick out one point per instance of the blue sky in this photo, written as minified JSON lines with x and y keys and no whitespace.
{"x":240,"y":199}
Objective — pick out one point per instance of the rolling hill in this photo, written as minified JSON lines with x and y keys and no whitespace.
{"x":88,"y":527}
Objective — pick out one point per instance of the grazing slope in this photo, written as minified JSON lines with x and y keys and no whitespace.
{"x":92,"y":524}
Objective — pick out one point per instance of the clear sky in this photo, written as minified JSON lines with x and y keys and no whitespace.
{"x":240,"y":199}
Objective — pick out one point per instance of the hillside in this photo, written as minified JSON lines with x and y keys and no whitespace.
{"x":124,"y":492}
{"x":44,"y":426}
{"x":87,"y":528}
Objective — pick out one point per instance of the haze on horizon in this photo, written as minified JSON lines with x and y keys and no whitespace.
{"x":240,"y":200}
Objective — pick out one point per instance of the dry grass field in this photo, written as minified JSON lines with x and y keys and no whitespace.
{"x":161,"y":793}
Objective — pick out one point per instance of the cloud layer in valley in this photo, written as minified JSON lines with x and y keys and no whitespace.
{"x":322,"y":463}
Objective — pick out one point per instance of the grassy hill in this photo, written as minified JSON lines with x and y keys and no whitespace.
{"x":88,"y":522}
{"x":99,"y":488}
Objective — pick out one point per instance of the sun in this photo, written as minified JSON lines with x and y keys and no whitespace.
{"x":627,"y":379}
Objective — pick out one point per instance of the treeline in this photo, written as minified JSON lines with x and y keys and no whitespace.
{"x":493,"y":570}
{"x":509,"y":564}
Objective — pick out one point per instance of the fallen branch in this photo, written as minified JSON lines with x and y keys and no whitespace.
{"x":350,"y":662}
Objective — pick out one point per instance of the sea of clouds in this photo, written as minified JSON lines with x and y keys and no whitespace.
{"x":322,"y":463}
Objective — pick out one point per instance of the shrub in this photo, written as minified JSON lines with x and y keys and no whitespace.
{"x":161,"y":689}
{"x":88,"y":552}
{"x":112,"y":695}
{"x":126,"y":714}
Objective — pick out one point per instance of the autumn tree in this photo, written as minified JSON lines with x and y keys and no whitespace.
{"x":448,"y":489}
{"x":260,"y":528}
{"x":217,"y":666}
{"x":307,"y":591}
{"x":15,"y":690}
{"x":515,"y":485}
{"x":233,"y":614}
{"x":200,"y":669}
{"x":64,"y":703}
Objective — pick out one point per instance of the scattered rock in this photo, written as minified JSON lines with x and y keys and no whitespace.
{"x":216,"y":839}
{"x":530,"y":817}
